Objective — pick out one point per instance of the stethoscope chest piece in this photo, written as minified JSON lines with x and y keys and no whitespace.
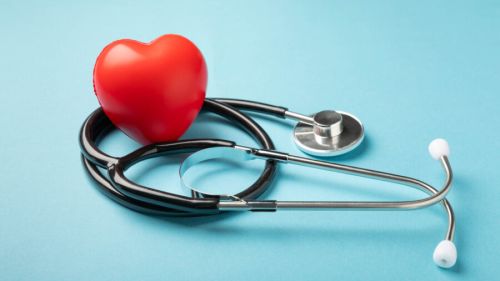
{"x":331,"y":133}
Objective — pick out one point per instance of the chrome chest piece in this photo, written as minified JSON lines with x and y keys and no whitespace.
{"x":327,"y":133}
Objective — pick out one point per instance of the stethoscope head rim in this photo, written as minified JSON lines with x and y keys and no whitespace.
{"x":343,"y":135}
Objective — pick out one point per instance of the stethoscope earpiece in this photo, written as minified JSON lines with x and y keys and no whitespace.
{"x":445,"y":254}
{"x":439,"y":148}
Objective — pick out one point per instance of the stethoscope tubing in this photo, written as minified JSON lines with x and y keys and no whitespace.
{"x":97,"y":125}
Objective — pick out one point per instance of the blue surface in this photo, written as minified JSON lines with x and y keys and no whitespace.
{"x":411,"y":71}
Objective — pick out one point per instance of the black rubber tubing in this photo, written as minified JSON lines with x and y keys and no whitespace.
{"x":156,"y":202}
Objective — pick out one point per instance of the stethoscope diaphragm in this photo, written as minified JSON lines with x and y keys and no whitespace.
{"x":330,"y":133}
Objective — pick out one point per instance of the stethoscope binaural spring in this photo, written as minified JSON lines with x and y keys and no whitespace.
{"x":323,"y":134}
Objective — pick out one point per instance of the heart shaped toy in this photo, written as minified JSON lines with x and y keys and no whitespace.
{"x":151,"y":91}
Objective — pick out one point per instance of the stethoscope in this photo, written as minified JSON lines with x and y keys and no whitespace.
{"x":326,"y":133}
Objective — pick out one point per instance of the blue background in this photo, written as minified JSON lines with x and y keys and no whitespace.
{"x":411,"y":71}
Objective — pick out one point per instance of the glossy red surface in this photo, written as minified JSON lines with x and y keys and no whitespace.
{"x":151,"y":91}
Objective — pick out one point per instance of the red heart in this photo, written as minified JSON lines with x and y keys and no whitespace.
{"x":152,"y":92}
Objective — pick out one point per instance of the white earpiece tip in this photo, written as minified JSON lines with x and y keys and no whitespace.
{"x":445,"y":254}
{"x":438,"y":148}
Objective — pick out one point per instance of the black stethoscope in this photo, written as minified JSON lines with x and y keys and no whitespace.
{"x":326,"y":133}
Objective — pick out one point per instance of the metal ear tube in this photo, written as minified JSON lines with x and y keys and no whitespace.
{"x":445,"y":253}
